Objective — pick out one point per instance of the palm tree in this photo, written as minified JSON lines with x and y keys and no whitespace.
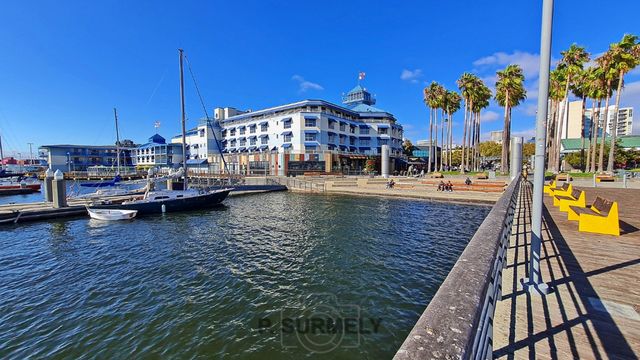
{"x":467,"y":84}
{"x":432,"y":94}
{"x":510,"y":92}
{"x":571,"y":63}
{"x":579,"y":88}
{"x":605,"y":62}
{"x":626,"y":56}
{"x":482,"y":95}
{"x":556,"y":91}
{"x":591,"y":87}
{"x":452,"y":106}
{"x":427,"y":95}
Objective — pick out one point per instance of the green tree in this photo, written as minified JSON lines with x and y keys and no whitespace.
{"x":452,"y":105}
{"x":407,"y":147}
{"x":467,"y":83}
{"x":510,"y":92}
{"x":626,"y":56}
{"x":490,"y":149}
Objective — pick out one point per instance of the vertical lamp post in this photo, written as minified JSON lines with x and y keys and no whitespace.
{"x":69,"y":161}
{"x":533,"y":284}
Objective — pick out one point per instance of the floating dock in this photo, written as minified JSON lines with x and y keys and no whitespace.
{"x":25,"y":212}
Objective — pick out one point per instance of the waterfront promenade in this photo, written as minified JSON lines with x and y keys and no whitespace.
{"x":593,"y":311}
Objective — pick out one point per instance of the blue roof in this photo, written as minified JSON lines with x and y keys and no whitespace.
{"x":157,"y":139}
{"x":197,"y":161}
{"x":363,"y":108}
{"x":356,"y":89}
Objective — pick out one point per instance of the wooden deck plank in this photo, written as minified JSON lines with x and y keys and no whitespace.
{"x":583,"y":269}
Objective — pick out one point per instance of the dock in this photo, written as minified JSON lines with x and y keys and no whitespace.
{"x":37,"y":211}
{"x":594,"y":309}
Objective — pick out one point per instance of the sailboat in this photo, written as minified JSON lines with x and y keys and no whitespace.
{"x":116,"y":179}
{"x":153,"y":202}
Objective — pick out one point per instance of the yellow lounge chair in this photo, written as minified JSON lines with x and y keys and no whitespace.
{"x":601,"y":217}
{"x":577,"y":198}
{"x":548,"y":187}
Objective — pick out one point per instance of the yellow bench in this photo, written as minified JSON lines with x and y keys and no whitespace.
{"x":565,"y":190}
{"x":606,"y":178}
{"x":601,"y":217}
{"x":577,"y":198}
{"x":547,"y":188}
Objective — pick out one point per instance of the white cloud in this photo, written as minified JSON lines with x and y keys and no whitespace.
{"x":305,"y":85}
{"x":526,"y":134}
{"x":530,"y":109}
{"x":411,"y":76}
{"x":489,"y":116}
{"x":529,"y":62}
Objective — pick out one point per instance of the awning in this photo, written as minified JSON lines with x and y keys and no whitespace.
{"x":252,"y":125}
{"x":364,"y":148}
{"x":264,"y":147}
{"x":286,"y":145}
{"x":263,"y":123}
{"x":364,"y":126}
{"x":274,"y":148}
{"x":286,"y":119}
{"x":241,"y":138}
{"x":310,"y":117}
{"x":365,"y":138}
{"x":332,"y":120}
{"x":311,"y":131}
{"x":251,"y":148}
{"x":343,"y":147}
{"x":223,"y":141}
{"x":197,"y":161}
{"x":264,"y":135}
{"x":224,"y":151}
{"x":241,"y":127}
{"x":252,"y":137}
{"x":331,"y":132}
{"x":287,"y":133}
{"x":383,"y":125}
{"x":311,"y":143}
{"x":343,"y":135}
{"x":241,"y":149}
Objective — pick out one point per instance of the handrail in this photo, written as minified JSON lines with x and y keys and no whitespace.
{"x":457,"y":323}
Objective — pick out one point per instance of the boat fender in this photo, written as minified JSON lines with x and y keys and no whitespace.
{"x":164,"y":209}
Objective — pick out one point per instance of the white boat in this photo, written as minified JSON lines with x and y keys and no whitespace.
{"x":112,"y":214}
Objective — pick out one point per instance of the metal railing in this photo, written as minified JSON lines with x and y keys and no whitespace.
{"x":457,"y":323}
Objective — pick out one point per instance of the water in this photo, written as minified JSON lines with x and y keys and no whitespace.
{"x":223,"y":283}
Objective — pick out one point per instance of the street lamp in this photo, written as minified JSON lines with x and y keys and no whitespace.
{"x":69,"y":161}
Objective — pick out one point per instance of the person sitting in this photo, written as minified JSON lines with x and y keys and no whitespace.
{"x":467,"y":182}
{"x":441,"y":186}
{"x":390,"y":184}
{"x":449,"y":186}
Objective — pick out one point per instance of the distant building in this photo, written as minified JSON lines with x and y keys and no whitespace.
{"x":158,"y":153}
{"x":80,"y":157}
{"x":496,"y":136}
{"x":305,"y":136}
{"x":575,"y":144}
{"x":573,"y":127}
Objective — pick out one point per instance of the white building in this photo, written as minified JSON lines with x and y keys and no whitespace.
{"x":573,"y":126}
{"x":305,"y":136}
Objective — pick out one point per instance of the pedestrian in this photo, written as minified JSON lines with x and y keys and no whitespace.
{"x":449,"y":186}
{"x":468,"y":181}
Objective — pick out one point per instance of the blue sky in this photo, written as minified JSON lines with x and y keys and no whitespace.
{"x":65,"y":65}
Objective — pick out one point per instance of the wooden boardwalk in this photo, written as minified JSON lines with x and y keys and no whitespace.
{"x":594,"y":309}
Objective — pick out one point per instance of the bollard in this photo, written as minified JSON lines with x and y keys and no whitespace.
{"x":516,"y":156}
{"x":384,"y":162}
{"x":594,"y":180}
{"x":624,"y":179}
{"x":48,"y":184}
{"x":59,"y":190}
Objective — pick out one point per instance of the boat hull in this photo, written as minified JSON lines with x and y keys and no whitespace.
{"x":204,"y":201}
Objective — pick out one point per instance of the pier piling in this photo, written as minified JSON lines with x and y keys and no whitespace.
{"x":59,"y":190}
{"x":48,"y":185}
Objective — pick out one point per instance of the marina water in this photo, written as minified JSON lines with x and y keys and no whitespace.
{"x":278,"y":275}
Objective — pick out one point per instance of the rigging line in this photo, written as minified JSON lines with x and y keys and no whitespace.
{"x":204,"y":108}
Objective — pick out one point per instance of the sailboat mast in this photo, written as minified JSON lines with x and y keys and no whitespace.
{"x":1,"y":153}
{"x":115,"y":115}
{"x":184,"y":131}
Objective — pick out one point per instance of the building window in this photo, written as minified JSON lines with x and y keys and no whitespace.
{"x":332,"y":124}
{"x":286,"y":138}
{"x":310,"y":149}
{"x":343,"y":126}
{"x":383,"y":131}
{"x":383,"y":141}
{"x":232,"y":132}
{"x":310,"y":122}
{"x":232,"y":143}
{"x":352,"y":141}
{"x":364,"y":131}
{"x":287,"y":124}
{"x":332,"y":138}
{"x":243,"y":142}
{"x":352,"y":129}
{"x":310,"y":137}
{"x":252,"y":129}
{"x":242,"y":131}
{"x":201,"y":133}
{"x":224,"y":133}
{"x":264,"y":140}
{"x":364,"y":142}
{"x":342,"y":139}
{"x":264,"y":127}
{"x":252,"y":141}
